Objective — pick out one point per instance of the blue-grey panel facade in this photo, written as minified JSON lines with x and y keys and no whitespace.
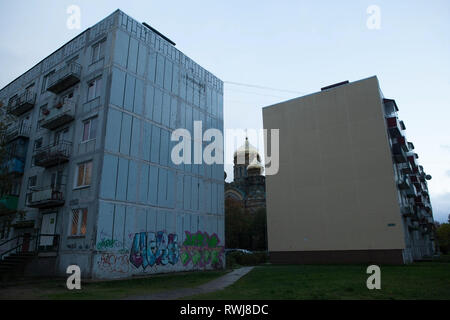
{"x":144,"y":213}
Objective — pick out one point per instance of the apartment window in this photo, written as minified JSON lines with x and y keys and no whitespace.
{"x":43,"y":111}
{"x":45,"y":81}
{"x":12,"y":99}
{"x":32,"y":181}
{"x":30,"y":88}
{"x":98,"y":51}
{"x":94,"y":88}
{"x":5,"y":226}
{"x":78,"y":222}
{"x":89,"y":129}
{"x":61,"y":136}
{"x":37,"y":143}
{"x":83,"y":174}
{"x":56,"y":180}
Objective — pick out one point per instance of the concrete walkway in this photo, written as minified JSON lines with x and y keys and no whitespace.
{"x":214,"y":285}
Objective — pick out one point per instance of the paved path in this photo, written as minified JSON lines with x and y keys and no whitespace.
{"x":214,"y":285}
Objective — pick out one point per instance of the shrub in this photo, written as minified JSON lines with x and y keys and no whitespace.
{"x":237,"y":258}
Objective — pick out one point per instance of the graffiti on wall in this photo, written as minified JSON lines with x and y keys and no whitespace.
{"x":202,"y":250}
{"x":160,"y":248}
{"x":154,"y":248}
{"x":114,"y":263}
{"x":105,"y":244}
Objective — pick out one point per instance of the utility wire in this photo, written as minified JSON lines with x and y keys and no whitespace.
{"x":261,"y":87}
{"x":257,"y":93}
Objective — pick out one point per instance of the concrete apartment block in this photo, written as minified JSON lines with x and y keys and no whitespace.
{"x":96,"y":180}
{"x":349,"y":188}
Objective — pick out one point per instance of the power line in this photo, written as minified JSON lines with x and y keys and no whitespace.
{"x":261,"y":87}
{"x":257,"y":93}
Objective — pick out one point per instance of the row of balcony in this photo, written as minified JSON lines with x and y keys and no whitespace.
{"x":59,"y":81}
{"x":412,"y":181}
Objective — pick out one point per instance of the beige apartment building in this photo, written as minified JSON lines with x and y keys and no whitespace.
{"x":349,"y":187}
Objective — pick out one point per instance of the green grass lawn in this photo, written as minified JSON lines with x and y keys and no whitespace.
{"x":424,"y":280}
{"x":56,"y":289}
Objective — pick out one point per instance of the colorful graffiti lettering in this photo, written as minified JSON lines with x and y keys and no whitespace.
{"x":109,"y":262}
{"x":202,"y":250}
{"x":150,"y":248}
{"x":158,"y":248}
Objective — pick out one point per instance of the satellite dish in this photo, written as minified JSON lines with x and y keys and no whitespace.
{"x":428,"y":177}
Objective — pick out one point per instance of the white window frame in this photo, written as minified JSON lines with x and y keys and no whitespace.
{"x":76,"y":186}
{"x":100,"y":54}
{"x":96,"y":89}
{"x":90,"y":121}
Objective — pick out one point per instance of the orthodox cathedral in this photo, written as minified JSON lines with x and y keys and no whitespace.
{"x":249,"y":183}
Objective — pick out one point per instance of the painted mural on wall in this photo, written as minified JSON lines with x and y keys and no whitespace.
{"x":154,"y":248}
{"x":150,"y":250}
{"x":202,"y":250}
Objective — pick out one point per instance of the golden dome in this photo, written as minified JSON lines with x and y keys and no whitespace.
{"x":246,"y":148}
{"x":255,"y":165}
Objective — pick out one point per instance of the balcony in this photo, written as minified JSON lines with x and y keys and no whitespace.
{"x":395,"y":127}
{"x":8,"y":205}
{"x":419,"y":201}
{"x":404,"y":183}
{"x":411,"y":191}
{"x":46,"y":198}
{"x":415,"y":180}
{"x":64,"y":78}
{"x":22,"y":103}
{"x":390,"y":107}
{"x":398,"y":153}
{"x":59,"y":115}
{"x":405,"y":167}
{"x":17,"y":131}
{"x":14,"y":166}
{"x":53,"y":155}
{"x":412,"y":160}
{"x":407,"y":210}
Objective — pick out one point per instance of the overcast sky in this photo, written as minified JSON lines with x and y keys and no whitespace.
{"x":297,"y":46}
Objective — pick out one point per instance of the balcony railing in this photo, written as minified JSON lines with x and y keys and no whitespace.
{"x":22,"y":103}
{"x":64,"y":78}
{"x":404,"y":183}
{"x":398,"y":153}
{"x":53,"y":155}
{"x":412,"y":158}
{"x":395,"y":127}
{"x":46,"y":198}
{"x":411,"y":191}
{"x":407,"y":210}
{"x":17,"y":131}
{"x":405,"y":167}
{"x":32,"y":244}
{"x":59,"y":115}
{"x":415,"y":180}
